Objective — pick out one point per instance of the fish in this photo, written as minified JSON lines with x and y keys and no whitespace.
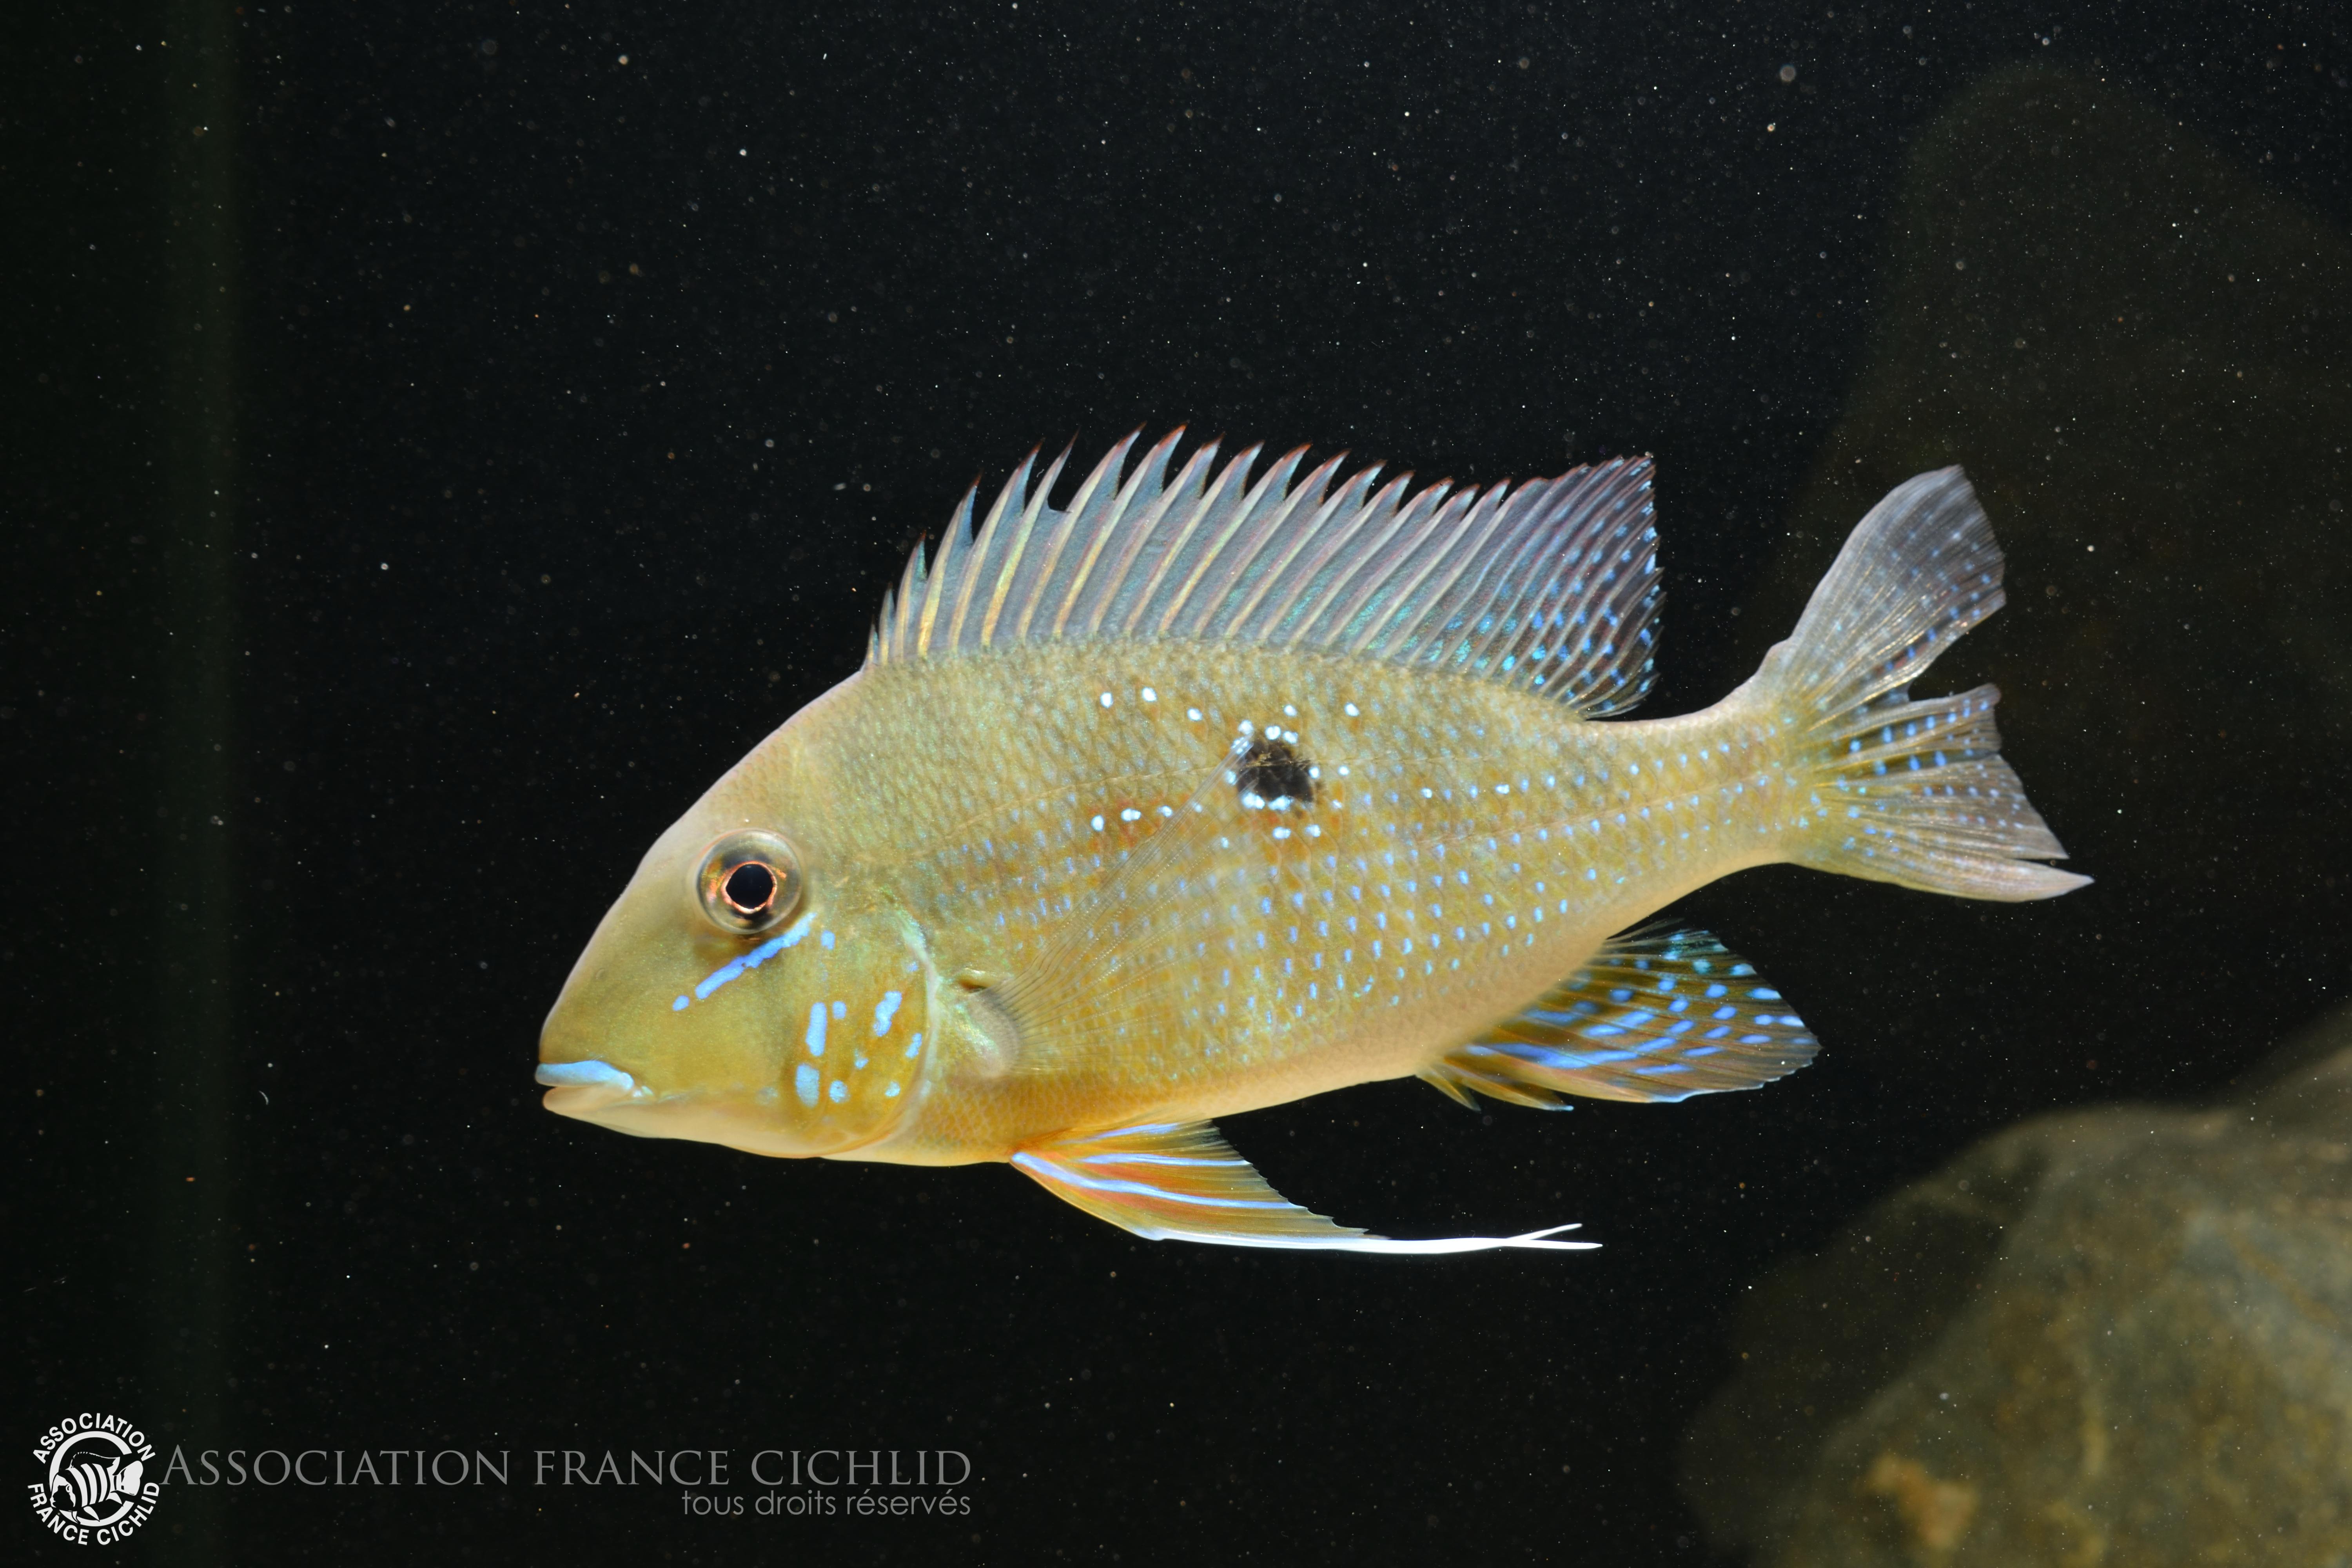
{"x":1225,"y":784}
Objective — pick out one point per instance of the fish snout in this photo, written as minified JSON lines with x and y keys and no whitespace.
{"x":583,"y":1089}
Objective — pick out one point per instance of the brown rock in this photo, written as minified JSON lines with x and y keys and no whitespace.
{"x":2138,"y":350}
{"x":2121,"y":1335}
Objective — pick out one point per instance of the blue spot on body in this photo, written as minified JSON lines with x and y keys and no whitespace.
{"x":805,"y":1083}
{"x":838,"y":1092}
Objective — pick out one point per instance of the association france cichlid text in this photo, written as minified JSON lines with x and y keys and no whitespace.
{"x":1202,"y":794}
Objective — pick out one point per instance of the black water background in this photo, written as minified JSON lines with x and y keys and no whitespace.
{"x":509,"y":589}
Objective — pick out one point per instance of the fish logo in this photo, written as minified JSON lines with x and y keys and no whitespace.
{"x":96,"y":1489}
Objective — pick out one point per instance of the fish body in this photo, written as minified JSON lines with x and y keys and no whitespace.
{"x":1204,"y":795}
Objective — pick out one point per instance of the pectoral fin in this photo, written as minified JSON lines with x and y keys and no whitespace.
{"x":1181,"y":1180}
{"x":1654,"y":1017}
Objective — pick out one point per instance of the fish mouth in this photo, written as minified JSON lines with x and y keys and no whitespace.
{"x":583,"y":1088}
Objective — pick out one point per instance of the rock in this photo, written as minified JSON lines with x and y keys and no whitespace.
{"x":2137,"y":350}
{"x":2120,"y":1335}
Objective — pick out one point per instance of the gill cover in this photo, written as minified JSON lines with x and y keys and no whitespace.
{"x":735,"y":994}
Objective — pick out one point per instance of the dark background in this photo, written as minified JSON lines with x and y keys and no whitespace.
{"x":423,"y":481}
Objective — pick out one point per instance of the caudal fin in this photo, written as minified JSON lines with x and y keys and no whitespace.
{"x":1908,"y":792}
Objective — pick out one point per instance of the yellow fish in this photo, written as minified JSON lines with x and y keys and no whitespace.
{"x":1207,"y":794}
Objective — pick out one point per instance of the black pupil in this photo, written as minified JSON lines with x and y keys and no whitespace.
{"x":750,"y":887}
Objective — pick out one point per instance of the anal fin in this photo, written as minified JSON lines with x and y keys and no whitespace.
{"x":1655,"y":1016}
{"x":1181,"y":1180}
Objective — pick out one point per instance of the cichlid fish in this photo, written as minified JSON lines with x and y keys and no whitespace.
{"x":1202,"y":794}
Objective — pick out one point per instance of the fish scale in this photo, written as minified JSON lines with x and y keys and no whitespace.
{"x":1222,"y":786}
{"x":1464,"y":830}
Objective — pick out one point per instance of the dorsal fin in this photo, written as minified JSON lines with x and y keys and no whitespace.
{"x":1551,"y":585}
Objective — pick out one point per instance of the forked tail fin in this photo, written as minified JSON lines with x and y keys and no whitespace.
{"x":1908,"y":792}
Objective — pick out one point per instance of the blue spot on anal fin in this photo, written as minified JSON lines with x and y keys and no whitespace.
{"x":1548,"y":1053}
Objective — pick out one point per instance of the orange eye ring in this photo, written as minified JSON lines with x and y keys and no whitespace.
{"x":748,"y":881}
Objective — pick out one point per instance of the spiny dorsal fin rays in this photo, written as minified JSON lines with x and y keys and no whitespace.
{"x":1280,"y":523}
{"x":895,"y":625}
{"x":1550,"y":585}
{"x":1148,"y":479}
{"x":1223,"y":552}
{"x":1456,"y":541}
{"x":1099,"y":608}
{"x":1200,"y":531}
{"x":1363,"y":576}
{"x":1318,"y":544}
{"x":901,"y":622}
{"x":987,"y":540}
{"x":1100,"y":489}
{"x":944,"y":564}
{"x":1225,"y":571}
{"x":1017,"y":544}
{"x":1224,"y":558}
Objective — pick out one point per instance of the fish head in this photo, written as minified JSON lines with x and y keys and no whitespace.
{"x":741,"y":991}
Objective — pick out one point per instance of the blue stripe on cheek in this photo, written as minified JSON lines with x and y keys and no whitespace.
{"x":805,"y":1083}
{"x":885,"y":1010}
{"x":749,"y":961}
{"x":816,"y":1029}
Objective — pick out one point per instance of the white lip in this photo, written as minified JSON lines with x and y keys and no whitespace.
{"x":582,"y":1089}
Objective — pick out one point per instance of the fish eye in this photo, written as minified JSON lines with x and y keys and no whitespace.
{"x":749,"y":881}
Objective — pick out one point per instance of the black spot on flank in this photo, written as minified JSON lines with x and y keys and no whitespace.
{"x":1273,"y":774}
